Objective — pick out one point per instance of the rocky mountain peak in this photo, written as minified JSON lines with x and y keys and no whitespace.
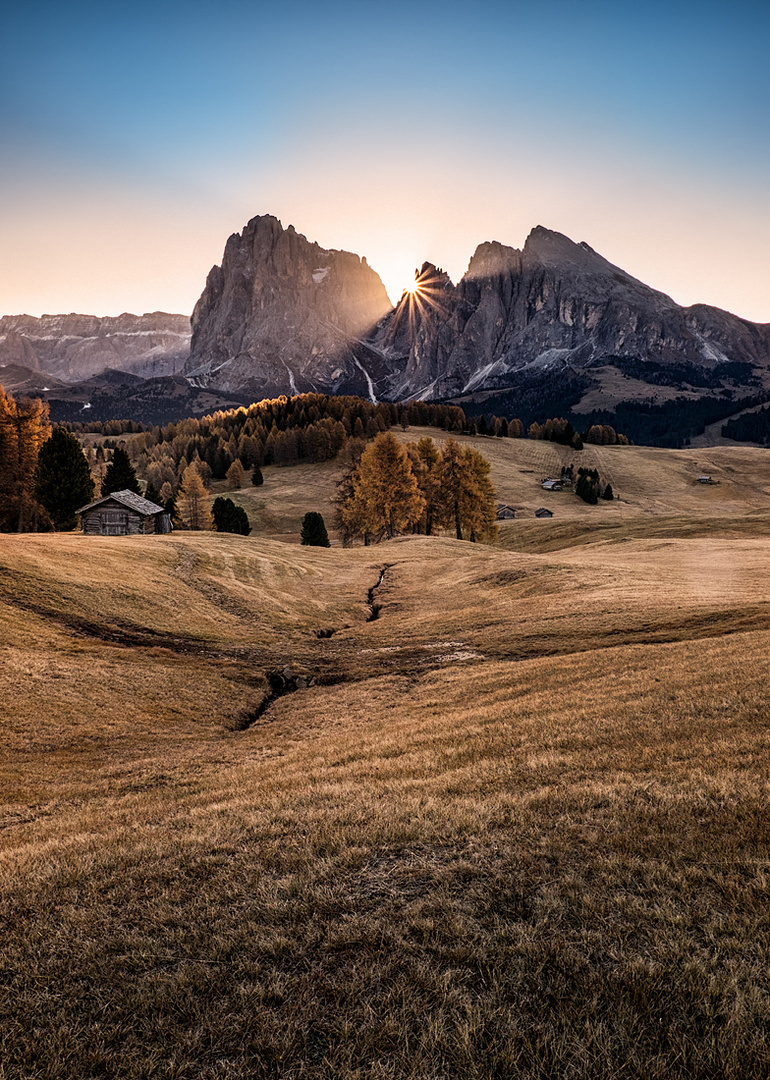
{"x":282,"y":313}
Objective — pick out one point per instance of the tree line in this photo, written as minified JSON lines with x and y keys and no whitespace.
{"x":44,"y":476}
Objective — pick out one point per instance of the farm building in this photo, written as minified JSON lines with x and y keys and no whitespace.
{"x":543,"y":513}
{"x":123,"y":514}
{"x":552,"y":485}
{"x":504,"y":512}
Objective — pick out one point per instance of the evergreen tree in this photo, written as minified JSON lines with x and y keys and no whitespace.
{"x":608,"y":493}
{"x":230,"y":518}
{"x":62,"y":481}
{"x":120,"y":475}
{"x":152,"y":494}
{"x":23,"y":430}
{"x":587,"y":487}
{"x":257,"y":478}
{"x":314,"y":530}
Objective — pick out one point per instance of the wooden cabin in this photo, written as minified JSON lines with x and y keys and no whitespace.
{"x":505,"y":512}
{"x":124,"y":514}
{"x":543,"y":513}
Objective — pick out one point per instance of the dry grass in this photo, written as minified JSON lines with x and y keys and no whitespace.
{"x":519,"y":829}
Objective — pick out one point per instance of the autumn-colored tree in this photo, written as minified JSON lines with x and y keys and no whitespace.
{"x":23,"y":430}
{"x":466,"y":491}
{"x":192,"y":504}
{"x":425,"y":458}
{"x":384,"y":498}
{"x":234,"y":477}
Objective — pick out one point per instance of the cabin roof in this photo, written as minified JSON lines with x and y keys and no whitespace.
{"x":129,"y":499}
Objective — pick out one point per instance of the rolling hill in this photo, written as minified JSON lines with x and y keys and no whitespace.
{"x":515,"y":825}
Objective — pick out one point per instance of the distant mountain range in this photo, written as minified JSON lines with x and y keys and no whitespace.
{"x":553,"y":322}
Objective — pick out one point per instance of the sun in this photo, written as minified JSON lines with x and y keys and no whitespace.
{"x":413,"y":288}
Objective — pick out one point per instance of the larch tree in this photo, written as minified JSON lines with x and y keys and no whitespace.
{"x":62,"y":481}
{"x":466,"y":492}
{"x":234,"y":477}
{"x":428,"y":477}
{"x":23,"y":430}
{"x":192,"y":503}
{"x":384,"y":499}
{"x":481,"y":513}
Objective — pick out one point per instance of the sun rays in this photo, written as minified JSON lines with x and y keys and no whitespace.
{"x":422,"y":296}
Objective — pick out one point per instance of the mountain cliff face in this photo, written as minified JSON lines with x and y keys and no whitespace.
{"x":74,"y":347}
{"x":283,"y":315}
{"x":551,"y":306}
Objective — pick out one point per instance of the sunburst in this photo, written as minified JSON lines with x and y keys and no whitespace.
{"x":421,"y":296}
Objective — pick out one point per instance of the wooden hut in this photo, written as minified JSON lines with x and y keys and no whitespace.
{"x":543,"y":513}
{"x":123,"y":514}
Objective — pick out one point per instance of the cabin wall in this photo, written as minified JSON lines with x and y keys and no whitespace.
{"x":117,"y":521}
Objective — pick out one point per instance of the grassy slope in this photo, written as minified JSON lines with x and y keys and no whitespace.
{"x":520,"y":828}
{"x":651,"y":482}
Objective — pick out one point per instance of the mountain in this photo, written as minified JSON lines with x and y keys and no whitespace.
{"x":551,"y":329}
{"x":283,"y":315}
{"x":559,"y":306}
{"x":74,"y":347}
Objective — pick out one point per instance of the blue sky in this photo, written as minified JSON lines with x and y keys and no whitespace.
{"x":134,"y":138}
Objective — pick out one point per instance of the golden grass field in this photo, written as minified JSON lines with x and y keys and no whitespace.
{"x":519,"y":827}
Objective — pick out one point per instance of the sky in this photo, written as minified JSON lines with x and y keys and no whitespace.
{"x":136,"y":137}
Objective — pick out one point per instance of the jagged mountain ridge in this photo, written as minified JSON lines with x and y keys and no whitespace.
{"x":75,"y":347}
{"x":268,"y":323}
{"x":555,"y":304}
{"x":283,"y":315}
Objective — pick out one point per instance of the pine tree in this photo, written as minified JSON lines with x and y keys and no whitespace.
{"x":230,"y":518}
{"x":314,"y":532}
{"x":257,"y":478}
{"x":62,"y":481}
{"x":192,"y":501}
{"x":152,"y":494}
{"x":120,"y":475}
{"x":23,"y":430}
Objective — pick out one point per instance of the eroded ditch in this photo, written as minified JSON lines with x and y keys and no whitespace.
{"x":374,"y":607}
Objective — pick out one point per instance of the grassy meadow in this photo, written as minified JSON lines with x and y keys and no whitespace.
{"x":518,"y":825}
